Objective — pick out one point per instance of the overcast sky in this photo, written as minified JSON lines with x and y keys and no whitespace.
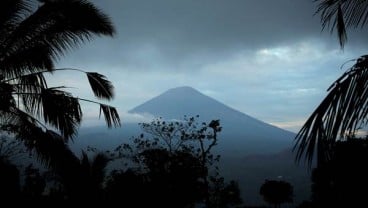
{"x":266,"y":58}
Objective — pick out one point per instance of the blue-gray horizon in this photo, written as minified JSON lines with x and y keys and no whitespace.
{"x":267,"y":59}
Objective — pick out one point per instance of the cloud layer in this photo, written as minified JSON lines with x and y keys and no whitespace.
{"x":268,"y":59}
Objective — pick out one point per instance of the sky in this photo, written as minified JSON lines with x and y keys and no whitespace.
{"x":266,"y":58}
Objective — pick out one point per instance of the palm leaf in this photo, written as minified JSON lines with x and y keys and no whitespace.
{"x":32,"y":36}
{"x":340,"y":26}
{"x":12,"y":10}
{"x":33,"y":83}
{"x":61,"y":110}
{"x":53,"y":29}
{"x":111,"y":115}
{"x":27,"y":60}
{"x":6,"y":96}
{"x":29,"y":88}
{"x":340,"y":115}
{"x":11,"y":13}
{"x":49,"y":146}
{"x":101,"y":87}
{"x":57,"y":108}
{"x":342,"y":14}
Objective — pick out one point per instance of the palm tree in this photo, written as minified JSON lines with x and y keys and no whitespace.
{"x":33,"y":35}
{"x":345,"y":108}
{"x":342,"y":14}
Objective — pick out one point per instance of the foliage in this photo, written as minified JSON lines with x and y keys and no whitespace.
{"x":344,"y":109}
{"x":339,"y":182}
{"x":176,"y":162}
{"x":224,"y":194}
{"x":10,"y":149}
{"x":341,"y":113}
{"x":9,"y":180}
{"x":276,"y":192}
{"x":33,"y":35}
{"x":343,"y":14}
{"x":34,"y":183}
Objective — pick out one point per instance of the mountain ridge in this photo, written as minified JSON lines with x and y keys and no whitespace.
{"x":239,"y":129}
{"x":251,"y":150}
{"x":188,"y":90}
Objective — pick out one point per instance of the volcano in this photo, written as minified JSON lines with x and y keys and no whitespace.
{"x":241,"y":133}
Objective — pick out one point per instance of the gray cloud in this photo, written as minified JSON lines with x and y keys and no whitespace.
{"x":267,"y":58}
{"x":186,"y":34}
{"x":180,"y":31}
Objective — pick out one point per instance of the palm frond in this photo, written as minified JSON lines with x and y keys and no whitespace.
{"x":341,"y":113}
{"x":340,"y":26}
{"x":12,"y":10}
{"x":48,"y":145}
{"x":11,"y":13}
{"x":342,"y":14}
{"x":53,"y":29}
{"x":61,"y":110}
{"x":111,"y":115}
{"x":27,"y":60}
{"x":29,"y":88}
{"x":6,"y":96}
{"x":33,"y":35}
{"x":57,"y":108}
{"x":33,"y":83}
{"x":101,"y":87}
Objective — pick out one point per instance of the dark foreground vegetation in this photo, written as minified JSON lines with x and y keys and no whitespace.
{"x":172,"y":167}
{"x":169,"y":165}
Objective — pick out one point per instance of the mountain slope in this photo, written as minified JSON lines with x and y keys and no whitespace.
{"x":242,"y":132}
{"x":251,"y":150}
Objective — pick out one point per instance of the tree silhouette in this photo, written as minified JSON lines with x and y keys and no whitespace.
{"x":224,"y":194}
{"x":33,"y":35}
{"x":34,"y":184}
{"x":129,"y":185}
{"x":345,"y":108}
{"x":174,"y":167}
{"x":9,"y":180}
{"x":81,"y":178}
{"x":339,"y":182}
{"x":276,"y":192}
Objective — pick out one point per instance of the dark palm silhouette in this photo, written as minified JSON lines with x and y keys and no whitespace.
{"x":9,"y":180}
{"x":80,"y":178}
{"x":345,"y":108}
{"x":342,"y":14}
{"x":339,"y":182}
{"x":89,"y":184}
{"x":33,"y":34}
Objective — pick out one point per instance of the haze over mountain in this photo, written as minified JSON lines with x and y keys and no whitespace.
{"x":251,"y":150}
{"x":241,"y":132}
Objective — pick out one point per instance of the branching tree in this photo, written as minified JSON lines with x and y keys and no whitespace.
{"x":176,"y":160}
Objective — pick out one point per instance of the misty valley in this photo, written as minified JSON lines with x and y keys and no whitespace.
{"x":250,"y":152}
